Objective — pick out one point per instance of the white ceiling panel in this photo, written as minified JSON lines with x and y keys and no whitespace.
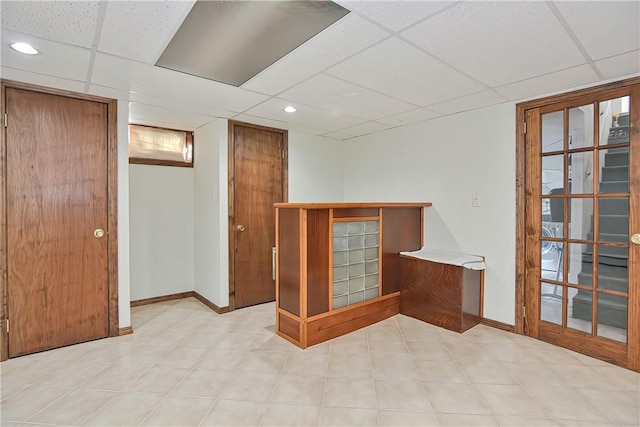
{"x":109,"y":92}
{"x":71,"y":22}
{"x":333,"y":94}
{"x":179,"y":87}
{"x":41,"y":79}
{"x":167,"y":117}
{"x":395,"y":15}
{"x":364,"y":129}
{"x":344,"y":38}
{"x":247,"y":118}
{"x":620,"y":65}
{"x":550,"y":83}
{"x":197,"y":109}
{"x":413,"y":116}
{"x":498,"y":42}
{"x":113,"y":71}
{"x":305,"y":116}
{"x":404,"y":72}
{"x":55,"y":59}
{"x":468,"y":102}
{"x":605,"y":28}
{"x":141,"y":29}
{"x":337,"y":135}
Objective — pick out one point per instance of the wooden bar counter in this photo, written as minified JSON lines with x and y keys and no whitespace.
{"x":338,"y":265}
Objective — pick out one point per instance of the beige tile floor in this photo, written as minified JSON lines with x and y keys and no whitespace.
{"x":186,"y":365}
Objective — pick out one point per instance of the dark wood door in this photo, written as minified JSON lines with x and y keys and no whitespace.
{"x":56,"y":199}
{"x":259,"y":175}
{"x":582,"y":284}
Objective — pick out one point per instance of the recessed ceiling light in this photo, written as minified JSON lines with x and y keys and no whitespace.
{"x":24,"y":48}
{"x":290,"y":109}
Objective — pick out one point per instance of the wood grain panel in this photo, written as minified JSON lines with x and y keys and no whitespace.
{"x":58,"y":274}
{"x":258,"y":178}
{"x":348,"y":320}
{"x":258,"y":185}
{"x":634,"y":224}
{"x":441,"y":294}
{"x":289,"y":260}
{"x":355,"y":212}
{"x":317,"y":261}
{"x":401,"y":231}
{"x":289,"y":327}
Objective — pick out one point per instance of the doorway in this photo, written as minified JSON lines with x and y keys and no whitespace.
{"x":59,"y":249}
{"x":258,"y":178}
{"x":578,"y":195}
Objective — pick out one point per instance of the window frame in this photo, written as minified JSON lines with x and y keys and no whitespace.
{"x":162,"y":162}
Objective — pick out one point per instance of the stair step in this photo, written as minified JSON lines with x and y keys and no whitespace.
{"x":617,"y":158}
{"x":612,"y":311}
{"x":610,"y":283}
{"x":614,"y":271}
{"x":608,"y":237}
{"x":614,"y":187}
{"x":618,"y":135}
{"x":614,"y":224}
{"x":615,"y":173}
{"x":617,"y":206}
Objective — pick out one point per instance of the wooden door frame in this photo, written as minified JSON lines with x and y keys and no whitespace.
{"x":521,"y":109}
{"x":112,"y":205}
{"x":231,"y":174}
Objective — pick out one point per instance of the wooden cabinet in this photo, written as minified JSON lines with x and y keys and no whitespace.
{"x":338,"y":265}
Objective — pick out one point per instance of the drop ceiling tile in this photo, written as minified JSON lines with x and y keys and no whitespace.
{"x":108,"y":92}
{"x":404,"y":72}
{"x":620,"y":65}
{"x":55,"y":59}
{"x":406,"y":118}
{"x":141,"y":29}
{"x":344,"y":38}
{"x":113,"y":71}
{"x":71,"y":22}
{"x":330,"y":93}
{"x":192,"y":108}
{"x":246,"y":118}
{"x":165,"y":116}
{"x":305,"y":116}
{"x":337,"y":135}
{"x":396,"y":15}
{"x":181,"y":87}
{"x":468,"y":102}
{"x":364,"y":129}
{"x":605,"y":28}
{"x":551,"y":83}
{"x":41,"y":79}
{"x":498,"y":42}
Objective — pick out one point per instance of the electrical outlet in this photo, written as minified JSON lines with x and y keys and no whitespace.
{"x":475,"y":201}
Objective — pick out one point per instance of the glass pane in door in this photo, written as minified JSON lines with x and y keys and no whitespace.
{"x":581,"y":127}
{"x":612,"y":317}
{"x":553,"y":132}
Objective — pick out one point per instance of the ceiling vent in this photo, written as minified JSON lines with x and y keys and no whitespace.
{"x":232,"y":41}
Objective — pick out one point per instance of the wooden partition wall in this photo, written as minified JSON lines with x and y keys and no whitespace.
{"x":338,"y":265}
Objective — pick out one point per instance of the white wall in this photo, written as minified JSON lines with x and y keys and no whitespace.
{"x":446,"y":161}
{"x":124,"y":310}
{"x":161,"y":230}
{"x":210,"y":213}
{"x":315,"y":169}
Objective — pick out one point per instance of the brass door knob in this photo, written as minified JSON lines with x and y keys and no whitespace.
{"x":98,"y":233}
{"x":635,"y":239}
{"x":240,"y":227}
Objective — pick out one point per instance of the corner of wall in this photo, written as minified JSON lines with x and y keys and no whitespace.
{"x":124,"y":280}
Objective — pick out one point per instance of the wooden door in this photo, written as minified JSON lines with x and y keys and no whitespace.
{"x":582,"y":248}
{"x":258,"y":179}
{"x":56,"y":198}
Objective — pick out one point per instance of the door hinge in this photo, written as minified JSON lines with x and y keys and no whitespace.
{"x":524,"y":311}
{"x":7,"y":323}
{"x":283,"y":154}
{"x":525,"y":127}
{"x":6,"y":119}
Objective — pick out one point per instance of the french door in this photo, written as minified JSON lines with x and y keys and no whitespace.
{"x":582,"y":222}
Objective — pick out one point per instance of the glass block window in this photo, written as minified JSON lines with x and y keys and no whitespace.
{"x":356,"y":251}
{"x":158,"y":146}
